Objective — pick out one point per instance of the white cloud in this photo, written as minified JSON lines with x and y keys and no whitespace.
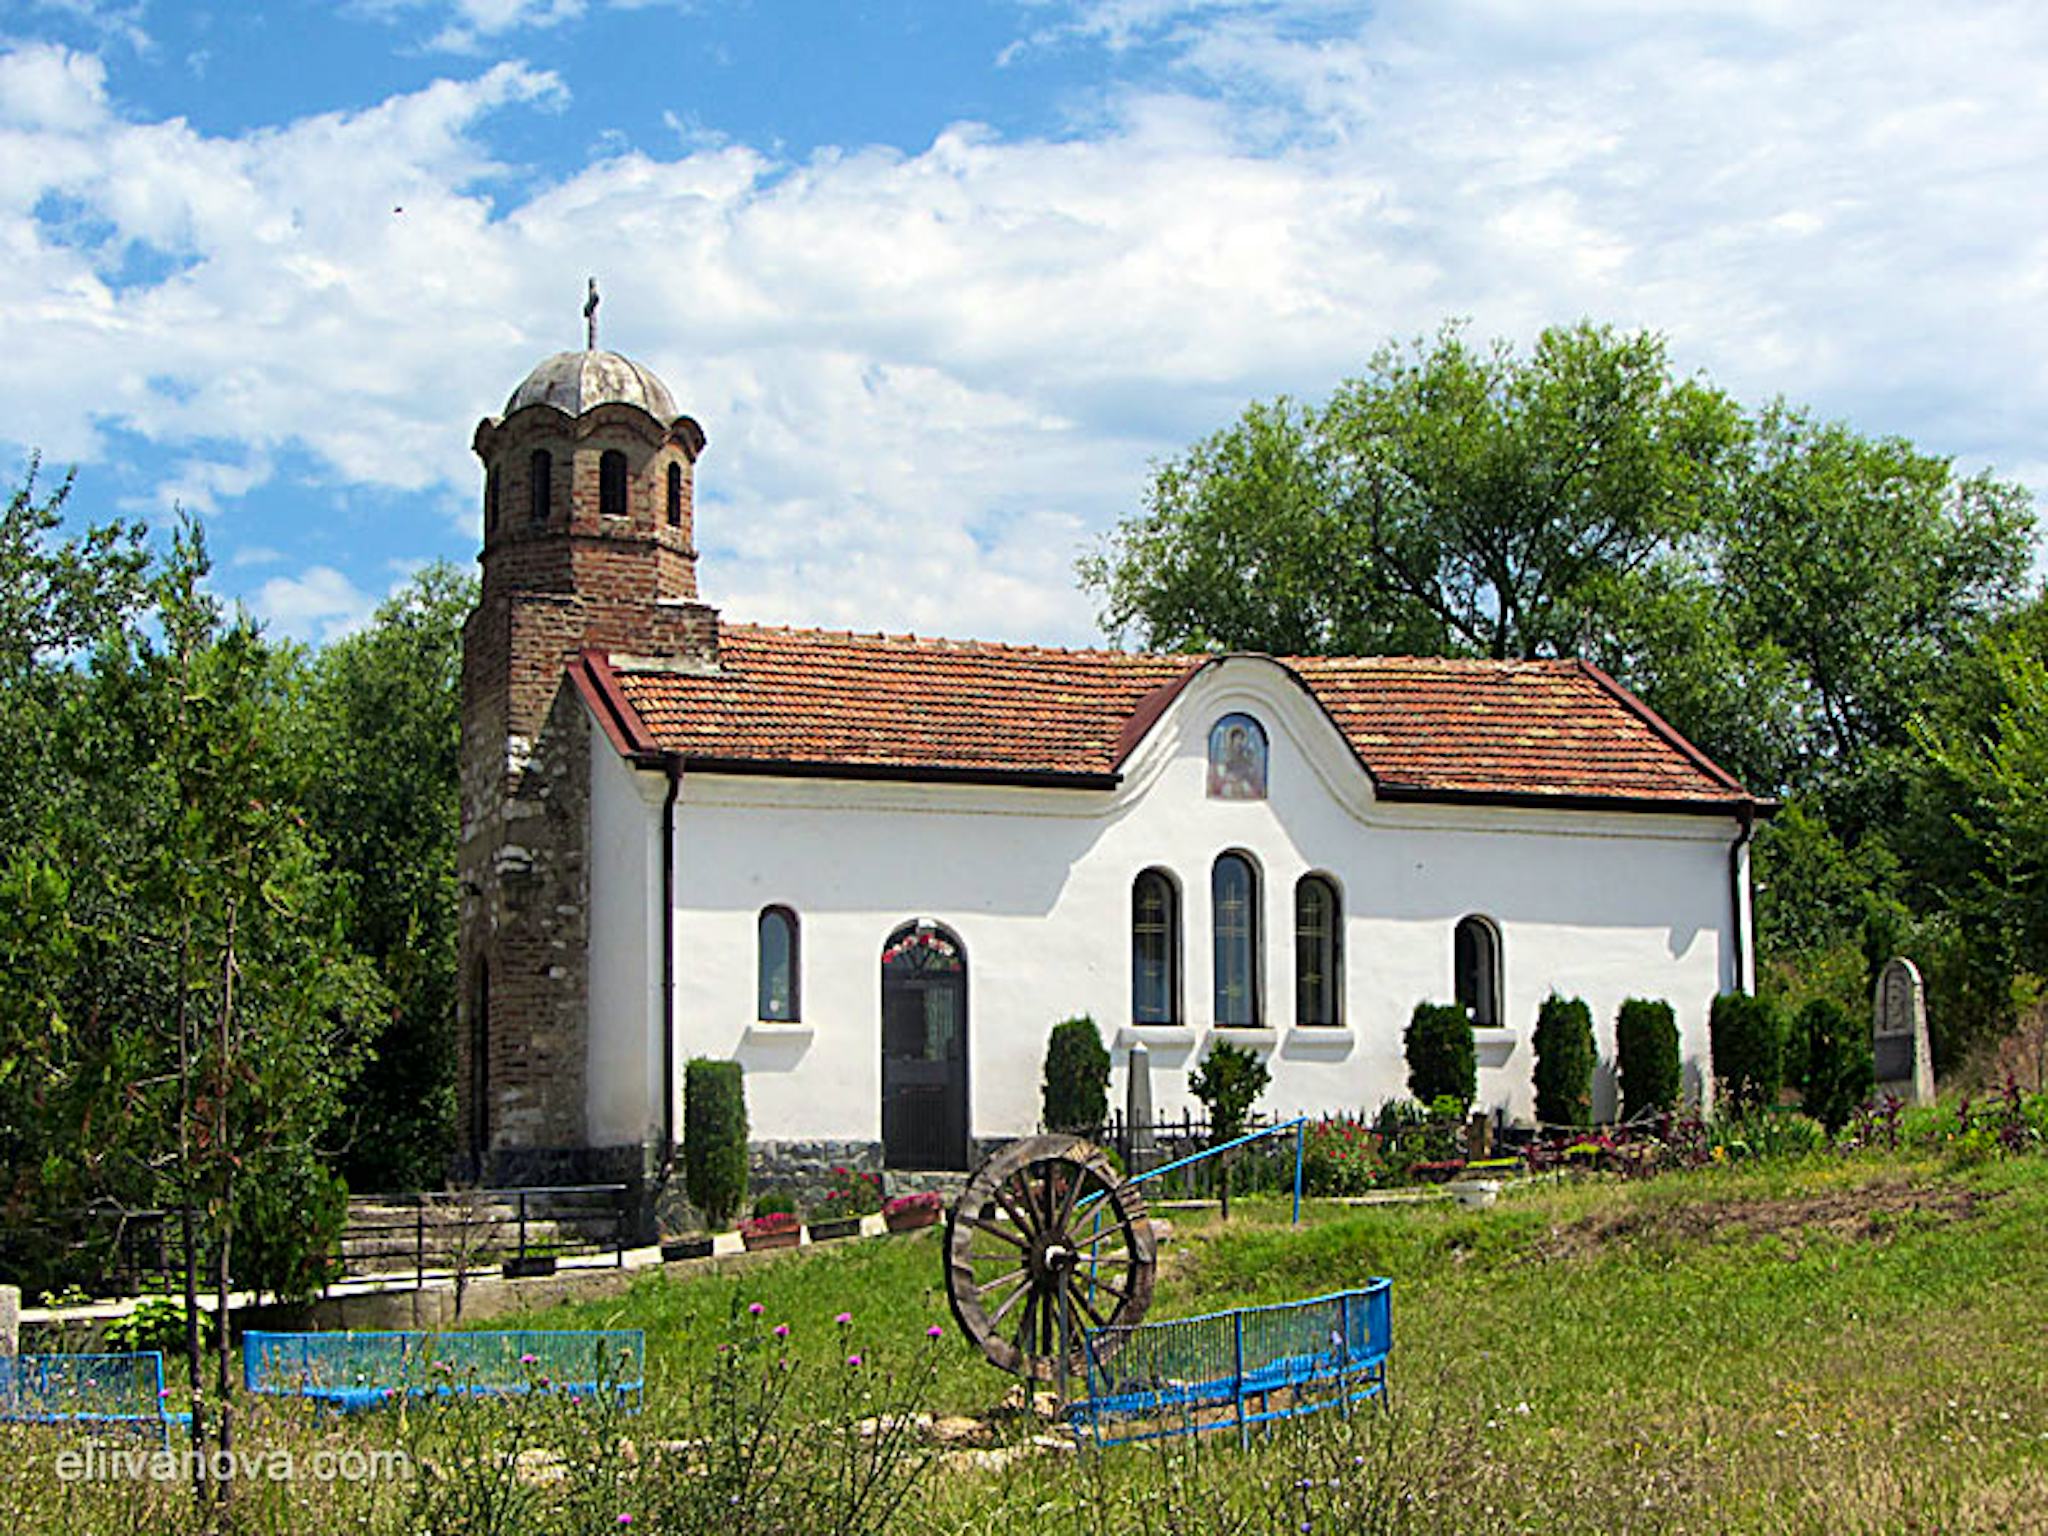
{"x":930,"y":377}
{"x":320,"y":604}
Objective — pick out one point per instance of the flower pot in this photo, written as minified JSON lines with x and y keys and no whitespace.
{"x":529,"y":1266}
{"x":685,"y":1248}
{"x":839,"y":1226}
{"x":910,"y":1220}
{"x":780,"y":1237}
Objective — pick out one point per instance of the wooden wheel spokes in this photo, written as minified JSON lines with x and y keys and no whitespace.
{"x":1046,"y":1242}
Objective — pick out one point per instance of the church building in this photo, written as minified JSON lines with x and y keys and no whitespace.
{"x":875,"y":870}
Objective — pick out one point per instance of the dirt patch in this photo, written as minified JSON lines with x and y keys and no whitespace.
{"x":1872,"y":1213}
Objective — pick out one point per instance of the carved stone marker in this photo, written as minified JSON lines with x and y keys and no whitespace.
{"x":1899,"y":1046}
{"x":10,"y":1319}
{"x":1138,"y":1106}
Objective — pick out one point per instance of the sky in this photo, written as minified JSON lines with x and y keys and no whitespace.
{"x":943,"y":280}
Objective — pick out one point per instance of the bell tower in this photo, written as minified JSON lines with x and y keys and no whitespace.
{"x":588,"y":542}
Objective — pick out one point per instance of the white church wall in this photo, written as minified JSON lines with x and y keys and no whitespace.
{"x":622,"y":1103}
{"x":1037,"y":885}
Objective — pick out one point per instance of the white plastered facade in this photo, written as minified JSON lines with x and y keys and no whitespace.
{"x":1036,"y":884}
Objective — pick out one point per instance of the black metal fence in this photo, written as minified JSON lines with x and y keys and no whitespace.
{"x":1262,"y":1167}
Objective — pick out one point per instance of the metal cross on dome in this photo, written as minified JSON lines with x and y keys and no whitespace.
{"x":590,"y":319}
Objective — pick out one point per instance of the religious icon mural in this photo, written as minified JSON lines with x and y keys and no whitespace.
{"x":1237,"y":759}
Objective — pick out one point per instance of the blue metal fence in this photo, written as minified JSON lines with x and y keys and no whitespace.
{"x":118,"y":1391}
{"x":1236,"y":1369}
{"x":350,"y":1371}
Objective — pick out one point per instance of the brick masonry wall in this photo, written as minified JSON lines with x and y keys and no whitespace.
{"x":581,"y":580}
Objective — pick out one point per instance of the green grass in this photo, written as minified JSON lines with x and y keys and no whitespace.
{"x":1841,"y":1344}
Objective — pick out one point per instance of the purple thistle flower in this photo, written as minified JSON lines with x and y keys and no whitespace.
{"x":853,"y":1359}
{"x":529,"y":1359}
{"x":843,"y":1319}
{"x":755,"y":1309}
{"x":935,"y":1332}
{"x":782,"y":1330}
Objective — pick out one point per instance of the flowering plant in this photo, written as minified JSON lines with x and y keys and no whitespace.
{"x":851,"y":1192}
{"x":923,"y":1200}
{"x":772,"y":1221}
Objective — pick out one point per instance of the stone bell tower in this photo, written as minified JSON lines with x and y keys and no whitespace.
{"x":588,"y":542}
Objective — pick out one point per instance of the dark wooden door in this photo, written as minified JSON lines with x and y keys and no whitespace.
{"x":924,"y":1049}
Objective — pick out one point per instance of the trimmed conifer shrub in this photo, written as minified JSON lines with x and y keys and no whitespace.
{"x":1831,"y":1059}
{"x":1646,"y":1057}
{"x":1076,"y":1088}
{"x":1442,"y":1062}
{"x":1565,"y":1057}
{"x":715,"y":1137}
{"x":1748,"y":1035}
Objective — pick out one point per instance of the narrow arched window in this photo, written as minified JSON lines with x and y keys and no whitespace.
{"x":1318,"y":952}
{"x":1476,"y":964}
{"x":491,"y":500}
{"x":778,"y":965}
{"x":1155,"y":949}
{"x":611,"y":483}
{"x":675,"y":494}
{"x":542,"y":478}
{"x":1234,"y":910}
{"x":1237,"y":759}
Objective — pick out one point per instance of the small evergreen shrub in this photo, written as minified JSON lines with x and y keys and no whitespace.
{"x":1228,"y":1082}
{"x":715,"y":1138}
{"x":1748,"y":1036}
{"x":776,"y":1202}
{"x":1076,"y":1090}
{"x":1832,"y":1063}
{"x":1646,"y":1057}
{"x":1442,"y":1062}
{"x":1565,"y":1057}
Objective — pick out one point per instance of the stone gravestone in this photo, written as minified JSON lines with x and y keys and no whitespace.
{"x":10,"y":1319}
{"x":1899,"y":1046}
{"x":1138,"y":1107}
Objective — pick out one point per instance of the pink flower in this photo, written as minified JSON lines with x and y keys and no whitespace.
{"x":935,"y":1332}
{"x":625,"y":1519}
{"x":843,"y":1319}
{"x":853,"y":1359}
{"x":782,"y":1330}
{"x":529,"y":1359}
{"x":755,"y":1309}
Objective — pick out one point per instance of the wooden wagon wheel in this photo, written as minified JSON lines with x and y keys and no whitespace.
{"x":1046,"y":1241}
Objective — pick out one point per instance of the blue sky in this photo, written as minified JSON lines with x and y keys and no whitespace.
{"x":942,"y":280}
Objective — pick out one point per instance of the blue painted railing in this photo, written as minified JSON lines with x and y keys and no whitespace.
{"x":350,"y":1371}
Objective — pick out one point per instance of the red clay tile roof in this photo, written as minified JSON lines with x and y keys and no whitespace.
{"x":899,"y":706}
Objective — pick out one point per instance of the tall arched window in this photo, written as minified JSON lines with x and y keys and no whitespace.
{"x":778,"y":966}
{"x":541,"y":475}
{"x":675,"y":494}
{"x":1234,"y":907}
{"x":491,"y":500}
{"x":1155,"y":949}
{"x":1476,"y":964}
{"x":1318,"y":952}
{"x":611,"y":483}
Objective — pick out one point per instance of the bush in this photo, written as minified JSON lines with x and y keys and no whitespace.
{"x":1832,"y":1063}
{"x":1228,"y":1082}
{"x":290,"y":1212}
{"x":1338,"y":1157}
{"x":849,"y":1192}
{"x":1442,"y":1062}
{"x":1646,"y":1057}
{"x":1076,"y":1077}
{"x":777,"y":1202}
{"x":1413,"y":1135}
{"x":1565,"y":1058}
{"x":1748,"y":1036}
{"x":715,"y":1138}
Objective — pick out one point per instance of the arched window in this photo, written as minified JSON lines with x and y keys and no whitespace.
{"x":675,"y":494}
{"x":491,"y":500}
{"x":1318,"y":952}
{"x":1234,"y":907}
{"x":541,"y":475}
{"x":1476,"y":963}
{"x":778,"y":966}
{"x":611,"y":483}
{"x":1237,"y":759}
{"x":1155,"y":949}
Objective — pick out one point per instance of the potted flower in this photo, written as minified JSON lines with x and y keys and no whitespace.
{"x":775,"y":1229}
{"x":833,"y":1225}
{"x":849,"y":1195}
{"x":906,"y":1213}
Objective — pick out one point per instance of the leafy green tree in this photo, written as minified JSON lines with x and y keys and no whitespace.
{"x":1454,"y":499}
{"x":380,"y":730}
{"x":1443,"y":1060}
{"x":1832,"y":1062}
{"x":1228,"y":1083}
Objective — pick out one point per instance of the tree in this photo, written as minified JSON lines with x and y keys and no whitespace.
{"x":1452,"y":500}
{"x":1833,"y":1062}
{"x":380,"y":732}
{"x":1227,"y":1083}
{"x":1076,"y":1086}
{"x":1565,"y":1058}
{"x":1443,"y":1061}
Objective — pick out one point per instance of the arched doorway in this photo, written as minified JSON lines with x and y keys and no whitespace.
{"x":924,"y":1048}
